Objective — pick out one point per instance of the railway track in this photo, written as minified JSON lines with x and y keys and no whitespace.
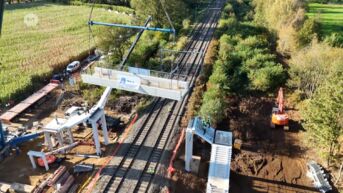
{"x":134,"y":168}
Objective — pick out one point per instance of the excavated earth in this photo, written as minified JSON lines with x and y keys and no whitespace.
{"x":271,"y":160}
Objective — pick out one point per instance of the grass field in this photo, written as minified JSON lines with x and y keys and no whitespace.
{"x":329,"y":15}
{"x":30,"y":52}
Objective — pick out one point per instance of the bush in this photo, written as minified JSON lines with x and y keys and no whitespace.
{"x":307,"y":33}
{"x":227,"y":26}
{"x":226,"y":47}
{"x":283,"y":16}
{"x":210,"y":58}
{"x":218,"y":77}
{"x":248,"y":64}
{"x":335,"y":40}
{"x":310,"y":67}
{"x":258,"y":61}
{"x":186,"y":24}
{"x":255,"y":42}
{"x":267,"y":78}
{"x":228,"y":11}
{"x":181,"y":43}
{"x":213,"y":105}
{"x":322,"y":115}
{"x":195,"y":101}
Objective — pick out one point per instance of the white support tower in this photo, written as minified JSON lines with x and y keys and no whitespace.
{"x":61,"y":129}
{"x":221,"y":143}
{"x":138,"y":80}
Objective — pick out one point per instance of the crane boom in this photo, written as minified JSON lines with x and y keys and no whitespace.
{"x":138,"y":36}
{"x":165,"y":30}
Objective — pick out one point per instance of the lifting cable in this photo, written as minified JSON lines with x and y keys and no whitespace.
{"x":174,"y":36}
{"x":169,"y":20}
{"x":91,"y":34}
{"x":90,"y":31}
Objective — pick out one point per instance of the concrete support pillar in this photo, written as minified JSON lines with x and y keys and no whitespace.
{"x":104,"y":129}
{"x":96,"y":138}
{"x":42,"y":155}
{"x":60,"y":138}
{"x":70,"y":135}
{"x":33,"y":163}
{"x":48,"y":141}
{"x":189,"y":149}
{"x":45,"y":163}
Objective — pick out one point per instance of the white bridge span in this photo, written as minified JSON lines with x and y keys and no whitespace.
{"x":139,"y":81}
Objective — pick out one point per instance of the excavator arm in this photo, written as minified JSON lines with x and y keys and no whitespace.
{"x":279,"y":116}
{"x":280,"y":101}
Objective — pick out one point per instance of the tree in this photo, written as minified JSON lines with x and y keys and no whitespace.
{"x":115,"y":40}
{"x":310,"y":67}
{"x":176,"y":9}
{"x":213,"y":105}
{"x":322,"y":115}
{"x":307,"y":33}
{"x":268,"y":77}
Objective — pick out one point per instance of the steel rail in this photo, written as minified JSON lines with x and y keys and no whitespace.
{"x":128,"y":160}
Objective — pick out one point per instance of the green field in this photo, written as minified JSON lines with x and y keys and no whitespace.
{"x":329,"y":15}
{"x":29,"y":52}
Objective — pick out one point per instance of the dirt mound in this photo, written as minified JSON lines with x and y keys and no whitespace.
{"x":275,"y":167}
{"x":254,"y":172}
{"x":188,"y":183}
{"x":249,"y":163}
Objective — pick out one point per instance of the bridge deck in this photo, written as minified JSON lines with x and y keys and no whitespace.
{"x":143,"y":83}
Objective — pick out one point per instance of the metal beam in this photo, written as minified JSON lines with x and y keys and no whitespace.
{"x":2,"y":9}
{"x":165,"y":30}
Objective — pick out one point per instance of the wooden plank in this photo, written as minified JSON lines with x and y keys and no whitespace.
{"x":21,"y":107}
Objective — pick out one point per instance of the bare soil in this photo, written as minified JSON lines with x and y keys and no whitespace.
{"x":17,"y":167}
{"x":271,"y":160}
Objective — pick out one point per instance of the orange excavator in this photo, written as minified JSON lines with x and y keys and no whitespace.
{"x":279,"y":116}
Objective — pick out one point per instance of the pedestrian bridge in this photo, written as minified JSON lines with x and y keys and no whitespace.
{"x":138,"y":80}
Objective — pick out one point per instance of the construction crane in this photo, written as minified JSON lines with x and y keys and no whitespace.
{"x":2,"y":9}
{"x":279,"y":116}
{"x":11,"y":140}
